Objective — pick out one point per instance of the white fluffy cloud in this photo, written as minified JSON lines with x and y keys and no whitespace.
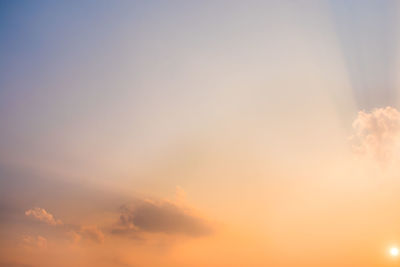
{"x":377,"y":133}
{"x":43,"y":216}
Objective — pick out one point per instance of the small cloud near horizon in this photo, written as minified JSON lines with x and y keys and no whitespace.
{"x":77,"y":232}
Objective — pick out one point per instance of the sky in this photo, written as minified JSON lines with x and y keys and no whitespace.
{"x":199,"y":133}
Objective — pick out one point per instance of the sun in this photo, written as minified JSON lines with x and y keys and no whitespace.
{"x":394,"y":251}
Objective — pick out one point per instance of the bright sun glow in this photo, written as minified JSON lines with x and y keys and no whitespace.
{"x":394,"y":251}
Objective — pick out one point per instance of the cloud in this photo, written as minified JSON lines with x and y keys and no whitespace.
{"x":31,"y":241}
{"x":43,"y":216}
{"x":160,"y":217}
{"x":377,"y":133}
{"x":89,"y":232}
{"x":143,"y":216}
{"x":75,"y":237}
{"x":77,"y":232}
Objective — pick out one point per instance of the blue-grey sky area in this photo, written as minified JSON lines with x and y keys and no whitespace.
{"x":82,"y":81}
{"x":368,"y":34}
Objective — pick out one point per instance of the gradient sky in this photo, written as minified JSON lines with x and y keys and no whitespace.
{"x":199,"y":133}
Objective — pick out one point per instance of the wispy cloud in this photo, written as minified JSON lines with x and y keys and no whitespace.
{"x":32,"y":241}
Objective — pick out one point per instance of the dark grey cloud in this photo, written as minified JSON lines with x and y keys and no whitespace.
{"x":160,"y":217}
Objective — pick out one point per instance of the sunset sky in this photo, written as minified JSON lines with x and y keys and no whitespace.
{"x":199,"y":133}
